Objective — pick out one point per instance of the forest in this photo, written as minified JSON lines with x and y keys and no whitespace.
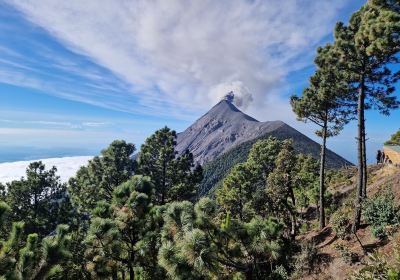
{"x":143,"y":217}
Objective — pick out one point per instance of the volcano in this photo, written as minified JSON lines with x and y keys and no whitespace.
{"x":225,"y":127}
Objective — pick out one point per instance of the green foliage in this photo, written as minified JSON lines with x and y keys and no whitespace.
{"x":240,"y":194}
{"x":322,"y":101}
{"x":174,"y":177}
{"x":340,"y":221}
{"x":279,"y":273}
{"x":366,"y":46}
{"x":322,"y":104}
{"x":40,"y":200}
{"x":34,"y":258}
{"x":102,"y":175}
{"x":268,"y":183}
{"x":123,"y":234}
{"x":306,"y":190}
{"x":381,"y":211}
{"x":280,"y":187}
{"x":216,"y":170}
{"x":195,"y":246}
{"x":394,"y":139}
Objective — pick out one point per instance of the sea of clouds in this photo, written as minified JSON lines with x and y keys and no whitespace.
{"x":66,"y":167}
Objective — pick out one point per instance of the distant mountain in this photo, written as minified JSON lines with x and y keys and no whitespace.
{"x":223,"y":136}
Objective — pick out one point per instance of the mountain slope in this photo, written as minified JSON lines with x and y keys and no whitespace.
{"x":225,"y":126}
{"x":219,"y":129}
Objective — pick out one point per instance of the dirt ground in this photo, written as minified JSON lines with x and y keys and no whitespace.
{"x":333,"y":265}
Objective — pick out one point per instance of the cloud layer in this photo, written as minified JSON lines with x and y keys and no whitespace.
{"x":178,"y":55}
{"x":66,"y":167}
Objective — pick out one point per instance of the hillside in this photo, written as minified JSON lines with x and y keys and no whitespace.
{"x":215,"y":170}
{"x":342,"y":263}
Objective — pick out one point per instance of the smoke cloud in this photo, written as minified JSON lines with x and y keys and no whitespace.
{"x":242,"y":97}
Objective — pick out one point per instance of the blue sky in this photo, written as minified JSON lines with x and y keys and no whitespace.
{"x":75,"y":75}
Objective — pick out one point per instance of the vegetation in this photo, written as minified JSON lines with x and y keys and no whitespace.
{"x":394,"y":139}
{"x":174,"y":177}
{"x":147,"y":228}
{"x":307,"y":259}
{"x":32,"y":258}
{"x":215,"y":171}
{"x":380,"y":211}
{"x":97,"y":180}
{"x":341,"y":221}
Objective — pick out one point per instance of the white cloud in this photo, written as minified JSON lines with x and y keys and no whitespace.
{"x":94,"y":124}
{"x":66,"y":167}
{"x":178,"y":55}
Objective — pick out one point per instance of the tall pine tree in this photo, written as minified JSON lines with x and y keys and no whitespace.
{"x":97,"y":180}
{"x":175,"y":177}
{"x":40,"y":200}
{"x":325,"y":102}
{"x":367,"y":46}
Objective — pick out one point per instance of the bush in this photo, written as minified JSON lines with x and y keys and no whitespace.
{"x":340,"y":221}
{"x":307,"y":259}
{"x":279,"y":273}
{"x":348,"y":256}
{"x":380,"y":211}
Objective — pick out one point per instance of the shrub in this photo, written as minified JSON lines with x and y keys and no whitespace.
{"x":380,"y":211}
{"x":279,"y":273}
{"x":348,"y":256}
{"x":340,"y":221}
{"x":307,"y":259}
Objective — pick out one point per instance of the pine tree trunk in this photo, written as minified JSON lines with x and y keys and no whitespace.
{"x":164,"y":175}
{"x":131,"y":272}
{"x":360,"y":147}
{"x":114,"y":274}
{"x":249,"y":274}
{"x":293,"y":231}
{"x":322,"y":179}
{"x":364,"y":189}
{"x":240,"y":203}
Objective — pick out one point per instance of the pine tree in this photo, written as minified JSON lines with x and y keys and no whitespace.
{"x":34,"y":259}
{"x":280,"y":186}
{"x":175,"y":177}
{"x":196,"y":245}
{"x":367,"y":46}
{"x":121,"y":235}
{"x":325,"y":103}
{"x":307,"y":181}
{"x":97,"y":180}
{"x":242,"y":190}
{"x":40,"y":200}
